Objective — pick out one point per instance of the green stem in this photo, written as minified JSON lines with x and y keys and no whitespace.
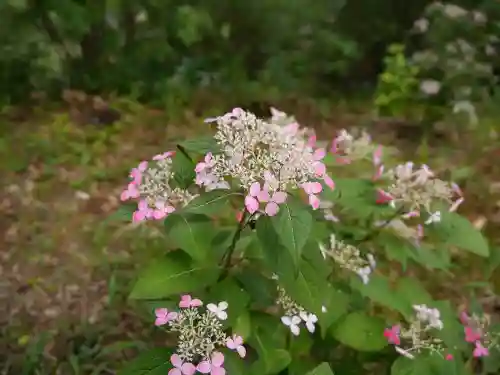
{"x":226,"y":259}
{"x":377,"y":230}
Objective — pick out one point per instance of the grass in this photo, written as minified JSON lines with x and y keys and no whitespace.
{"x":66,"y":268}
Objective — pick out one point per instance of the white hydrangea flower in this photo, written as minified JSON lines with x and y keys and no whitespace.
{"x":292,"y":322}
{"x":310,"y":321}
{"x":430,"y":87}
{"x":218,"y":310}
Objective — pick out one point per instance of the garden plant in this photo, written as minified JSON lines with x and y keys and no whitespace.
{"x":292,"y":255}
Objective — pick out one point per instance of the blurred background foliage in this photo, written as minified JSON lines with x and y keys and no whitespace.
{"x":161,"y":51}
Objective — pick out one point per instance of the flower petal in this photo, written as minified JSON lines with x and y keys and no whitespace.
{"x":176,"y":360}
{"x":279,"y":197}
{"x":271,"y":209}
{"x":204,"y":367}
{"x":217,"y":359}
{"x":254,"y":189}
{"x":251,"y":204}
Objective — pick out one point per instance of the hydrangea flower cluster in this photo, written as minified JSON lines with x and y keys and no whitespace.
{"x":294,"y":314}
{"x":200,"y":337}
{"x":418,"y":189}
{"x":413,"y":191}
{"x":349,"y":148}
{"x":265,"y":158}
{"x":418,"y":335}
{"x":476,"y":332}
{"x":151,"y":185}
{"x":349,"y":257}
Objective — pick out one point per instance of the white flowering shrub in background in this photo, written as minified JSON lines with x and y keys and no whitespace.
{"x":459,"y":49}
{"x":304,"y":245}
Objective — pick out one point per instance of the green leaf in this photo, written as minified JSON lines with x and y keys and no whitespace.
{"x":293,"y":226}
{"x":192,"y":233}
{"x":209,"y":203}
{"x":307,"y":288}
{"x":183,"y":169}
{"x":336,"y":304}
{"x":395,"y":248}
{"x":458,"y":231}
{"x":243,"y":325}
{"x":123,"y":213}
{"x":171,"y":275}
{"x":379,"y":290}
{"x":277,"y":258}
{"x":233,"y":364}
{"x":153,"y":362}
{"x":425,"y":365}
{"x":361,"y":332}
{"x":322,"y":369}
{"x":431,"y":257}
{"x":260,"y":288}
{"x":271,"y":359}
{"x":201,"y":145}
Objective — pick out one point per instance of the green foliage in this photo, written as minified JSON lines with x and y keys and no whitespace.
{"x":398,"y":84}
{"x":164,"y":52}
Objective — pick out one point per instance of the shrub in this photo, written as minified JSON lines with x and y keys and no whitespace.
{"x":282,"y":268}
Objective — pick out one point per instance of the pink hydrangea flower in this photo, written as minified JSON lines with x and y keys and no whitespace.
{"x":143,"y":212}
{"x":480,"y":350}
{"x":236,"y":343}
{"x":164,"y":156}
{"x":181,"y":368}
{"x":130,"y":192}
{"x":207,"y":162}
{"x":392,"y":335}
{"x":383,"y":197}
{"x":449,"y":357}
{"x":319,"y":166}
{"x":328,"y":181}
{"x":257,"y":195}
{"x":162,"y":210}
{"x":187,"y":301}
{"x":214,"y":366}
{"x":311,"y":189}
{"x":163,"y":316}
{"x":472,"y":335}
{"x":377,"y":156}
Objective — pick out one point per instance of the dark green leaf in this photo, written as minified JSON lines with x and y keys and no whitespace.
{"x":183,"y":169}
{"x":201,"y":145}
{"x":271,"y":360}
{"x":173,"y":274}
{"x":293,"y":226}
{"x":193,"y":234}
{"x":210,"y":203}
{"x":260,"y":288}
{"x":123,"y":213}
{"x":379,"y":290}
{"x":152,"y":362}
{"x":336,"y":305}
